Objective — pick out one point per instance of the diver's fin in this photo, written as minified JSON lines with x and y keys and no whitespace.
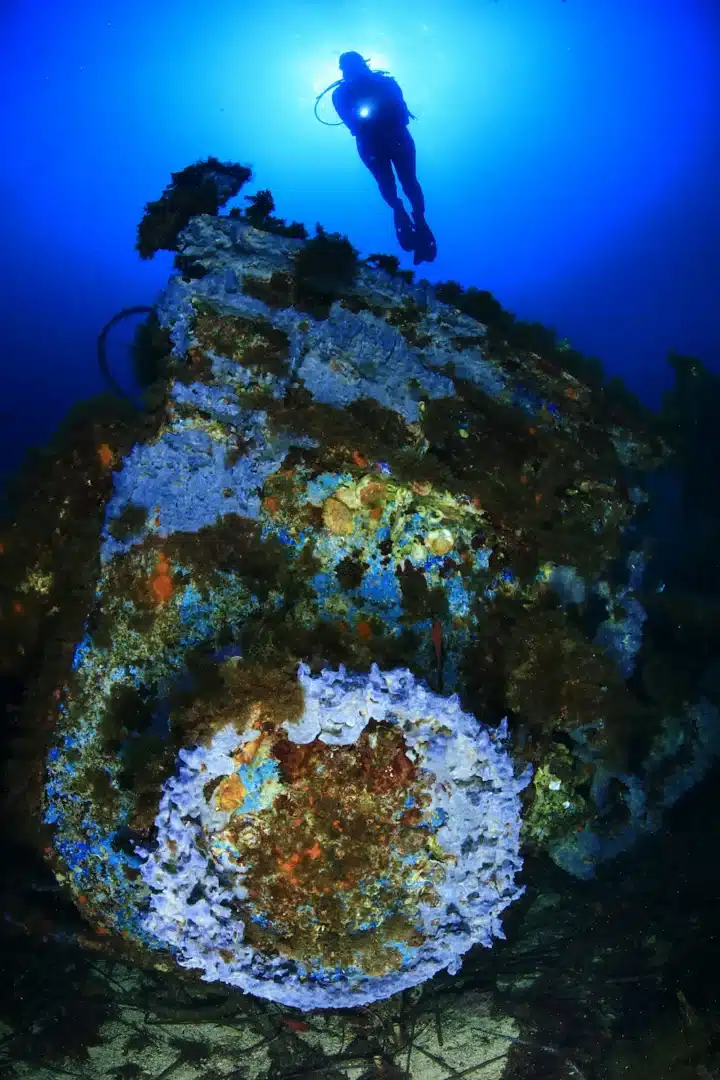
{"x":425,"y":243}
{"x":404,"y":229}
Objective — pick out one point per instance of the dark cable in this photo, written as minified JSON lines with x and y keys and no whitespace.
{"x":102,"y":351}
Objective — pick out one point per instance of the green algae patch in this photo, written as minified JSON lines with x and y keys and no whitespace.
{"x":255,"y":342}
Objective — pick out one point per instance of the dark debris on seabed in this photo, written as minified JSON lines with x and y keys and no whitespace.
{"x":602,"y":980}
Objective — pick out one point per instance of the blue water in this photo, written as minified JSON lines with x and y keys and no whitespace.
{"x":569,"y":151}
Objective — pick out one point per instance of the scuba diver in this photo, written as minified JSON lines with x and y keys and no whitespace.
{"x":372,"y":106}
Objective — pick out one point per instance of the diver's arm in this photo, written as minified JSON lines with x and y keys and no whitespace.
{"x":344,"y":112}
{"x":396,"y":93}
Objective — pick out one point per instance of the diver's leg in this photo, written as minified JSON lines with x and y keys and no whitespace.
{"x":404,"y":160}
{"x":377,"y":159}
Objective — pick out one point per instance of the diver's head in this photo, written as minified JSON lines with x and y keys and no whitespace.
{"x":352,"y":64}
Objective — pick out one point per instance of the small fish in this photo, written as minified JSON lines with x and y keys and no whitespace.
{"x":295,"y":1025}
{"x":436,"y":635}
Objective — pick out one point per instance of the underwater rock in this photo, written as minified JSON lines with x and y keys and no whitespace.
{"x":335,"y":857}
{"x":361,"y":531}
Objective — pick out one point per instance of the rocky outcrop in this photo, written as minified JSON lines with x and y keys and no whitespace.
{"x":365,"y":528}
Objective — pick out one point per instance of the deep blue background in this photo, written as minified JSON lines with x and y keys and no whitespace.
{"x":569,"y":151}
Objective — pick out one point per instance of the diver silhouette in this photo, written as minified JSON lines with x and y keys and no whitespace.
{"x":372,"y":107}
